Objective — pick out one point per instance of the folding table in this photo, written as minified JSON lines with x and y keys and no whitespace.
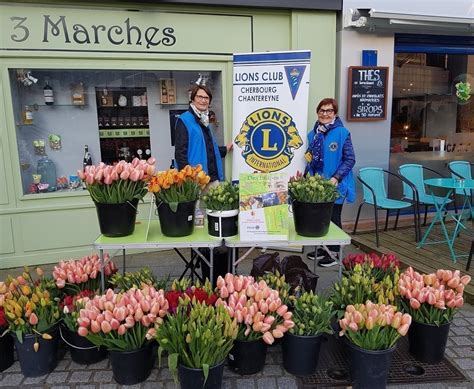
{"x":156,"y":240}
{"x":335,"y":236}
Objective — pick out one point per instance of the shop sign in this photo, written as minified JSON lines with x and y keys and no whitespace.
{"x":69,"y":29}
{"x":367,"y":93}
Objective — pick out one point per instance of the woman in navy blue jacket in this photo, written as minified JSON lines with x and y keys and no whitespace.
{"x":331,"y":155}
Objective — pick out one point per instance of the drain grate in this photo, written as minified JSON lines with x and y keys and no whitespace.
{"x":333,"y":368}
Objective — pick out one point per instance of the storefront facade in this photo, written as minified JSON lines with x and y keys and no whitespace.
{"x":113,"y":77}
{"x":429,"y":51}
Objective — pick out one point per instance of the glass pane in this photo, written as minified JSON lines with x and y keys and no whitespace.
{"x":117,"y":114}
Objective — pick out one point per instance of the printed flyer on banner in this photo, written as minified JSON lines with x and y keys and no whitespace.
{"x":263,"y":207}
{"x":270,"y":100}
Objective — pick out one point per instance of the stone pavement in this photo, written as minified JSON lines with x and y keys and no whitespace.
{"x":69,"y":375}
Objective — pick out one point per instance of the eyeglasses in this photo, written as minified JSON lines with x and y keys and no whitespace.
{"x":325,"y":111}
{"x":205,"y":98}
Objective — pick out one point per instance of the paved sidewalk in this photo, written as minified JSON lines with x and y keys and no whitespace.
{"x":460,"y":349}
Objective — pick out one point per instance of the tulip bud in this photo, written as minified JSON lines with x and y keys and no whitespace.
{"x":36,"y":346}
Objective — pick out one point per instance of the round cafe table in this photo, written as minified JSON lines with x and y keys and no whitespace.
{"x":460,"y":219}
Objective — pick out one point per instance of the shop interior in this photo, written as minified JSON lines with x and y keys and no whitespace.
{"x":117,"y":114}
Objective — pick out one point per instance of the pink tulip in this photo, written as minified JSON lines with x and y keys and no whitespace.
{"x":454,"y":282}
{"x":95,"y":327}
{"x":403,"y":329}
{"x":277,"y":334}
{"x":465,"y":279}
{"x":224,"y":292}
{"x":114,"y":323}
{"x":268,"y":338}
{"x":121,"y":330}
{"x":33,"y":319}
{"x":105,"y":327}
{"x":82,"y":331}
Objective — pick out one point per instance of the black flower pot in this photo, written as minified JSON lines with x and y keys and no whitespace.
{"x":117,"y":220}
{"x":179,"y":223}
{"x":132,"y":367}
{"x":312,"y":219}
{"x":194,"y":378}
{"x":222,"y":224}
{"x":82,"y":350}
{"x":369,"y":369}
{"x":428,"y":341}
{"x":301,"y":353}
{"x":6,"y":352}
{"x":247,"y":356}
{"x":37,"y":363}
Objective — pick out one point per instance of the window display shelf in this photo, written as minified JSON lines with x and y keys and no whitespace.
{"x":125,"y":133}
{"x":172,"y":105}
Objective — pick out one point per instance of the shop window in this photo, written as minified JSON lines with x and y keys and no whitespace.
{"x":432,"y":104}
{"x":117,"y":114}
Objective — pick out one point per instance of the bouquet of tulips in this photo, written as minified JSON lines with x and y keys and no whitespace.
{"x":432,"y":298}
{"x":119,"y":183}
{"x":223,"y":197}
{"x":312,"y":189}
{"x":123,"y":321}
{"x":360,"y":285}
{"x":257,"y":308}
{"x":75,"y":275}
{"x":277,"y":282}
{"x":379,"y":265}
{"x":197,"y":335}
{"x":201,"y":294}
{"x":172,"y":186}
{"x":29,"y":305}
{"x":70,"y":307}
{"x":138,"y":279}
{"x":374,"y":326}
{"x":312,"y":315}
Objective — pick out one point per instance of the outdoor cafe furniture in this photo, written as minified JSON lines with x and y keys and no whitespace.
{"x":459,"y":219}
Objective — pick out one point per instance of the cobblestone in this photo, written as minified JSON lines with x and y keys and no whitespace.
{"x":57,"y":377}
{"x":12,"y":379}
{"x":80,"y":376}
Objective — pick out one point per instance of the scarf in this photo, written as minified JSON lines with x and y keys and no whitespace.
{"x":202,"y":116}
{"x":315,"y":153}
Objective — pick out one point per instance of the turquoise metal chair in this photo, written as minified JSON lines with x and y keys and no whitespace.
{"x":461,"y":169}
{"x":375,"y":194}
{"x":415,"y":174}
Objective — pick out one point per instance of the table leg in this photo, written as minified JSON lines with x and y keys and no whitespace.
{"x":234,"y":255}
{"x":211,"y":266}
{"x":123,"y":261}
{"x":340,"y":262}
{"x":102,"y":276}
{"x":315,"y":258}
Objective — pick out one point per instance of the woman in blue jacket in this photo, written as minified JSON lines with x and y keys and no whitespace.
{"x":331,"y":155}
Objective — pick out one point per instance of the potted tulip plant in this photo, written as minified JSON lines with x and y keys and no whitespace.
{"x":176,"y":193}
{"x":371,"y":331}
{"x":32,"y":314}
{"x":432,"y":300}
{"x":115,"y":191}
{"x":137,"y":279}
{"x":75,"y":275}
{"x":312,"y":200}
{"x":125,"y":323}
{"x":81,"y":349}
{"x":261,"y":315}
{"x":312,"y":315}
{"x":222,"y":209}
{"x":198,"y":338}
{"x":6,"y":341}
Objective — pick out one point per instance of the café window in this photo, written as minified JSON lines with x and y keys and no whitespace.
{"x":116,"y":114}
{"x":433,"y":106}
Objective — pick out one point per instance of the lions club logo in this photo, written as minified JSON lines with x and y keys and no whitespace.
{"x":268,"y":138}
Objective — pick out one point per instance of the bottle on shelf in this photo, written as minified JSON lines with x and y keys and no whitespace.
{"x":48,"y":94}
{"x":27,"y":115}
{"x":87,"y":161}
{"x":47,"y":169}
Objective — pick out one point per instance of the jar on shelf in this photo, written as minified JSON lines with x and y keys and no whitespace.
{"x":47,"y":169}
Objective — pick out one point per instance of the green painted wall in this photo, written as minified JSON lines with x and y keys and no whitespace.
{"x":45,"y":228}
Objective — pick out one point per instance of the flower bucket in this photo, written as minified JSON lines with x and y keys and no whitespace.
{"x":179,"y":223}
{"x":82,"y":350}
{"x":312,"y":219}
{"x":6,"y":352}
{"x":132,"y":367}
{"x":247,"y":356}
{"x":301,"y":353}
{"x":428,"y":341}
{"x":222,"y":224}
{"x":117,"y":220}
{"x":194,"y":378}
{"x":37,"y":363}
{"x":369,"y":368}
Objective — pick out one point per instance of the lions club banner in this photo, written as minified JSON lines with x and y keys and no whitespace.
{"x":270,"y":96}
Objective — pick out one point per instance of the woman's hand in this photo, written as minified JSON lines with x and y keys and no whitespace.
{"x":229,"y":147}
{"x":334,"y":181}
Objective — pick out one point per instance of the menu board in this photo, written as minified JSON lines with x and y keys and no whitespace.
{"x":367,"y":93}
